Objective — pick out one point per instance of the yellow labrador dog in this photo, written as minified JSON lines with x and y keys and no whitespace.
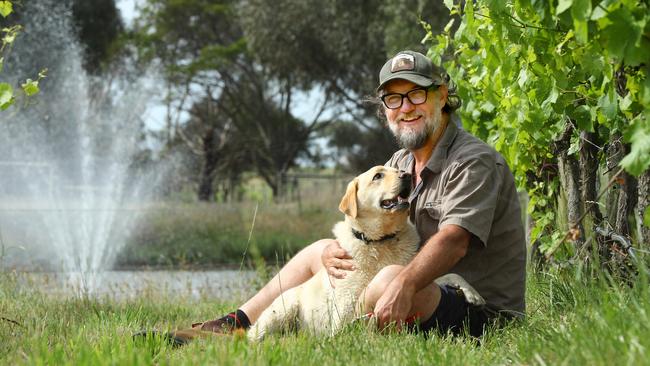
{"x":376,"y":232}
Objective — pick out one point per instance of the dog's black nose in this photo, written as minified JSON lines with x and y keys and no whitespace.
{"x":404,"y":175}
{"x":406,"y":183}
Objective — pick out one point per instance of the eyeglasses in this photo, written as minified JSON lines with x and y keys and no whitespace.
{"x":415,"y":97}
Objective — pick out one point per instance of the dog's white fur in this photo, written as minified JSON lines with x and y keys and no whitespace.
{"x":322,"y":309}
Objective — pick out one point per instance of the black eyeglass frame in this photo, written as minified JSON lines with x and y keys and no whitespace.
{"x":426,"y":96}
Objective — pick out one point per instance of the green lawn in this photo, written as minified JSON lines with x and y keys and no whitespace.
{"x":570,"y":321}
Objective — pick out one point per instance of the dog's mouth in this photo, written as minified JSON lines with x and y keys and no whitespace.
{"x":397,"y":203}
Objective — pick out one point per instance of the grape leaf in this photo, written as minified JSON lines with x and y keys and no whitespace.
{"x":6,"y":8}
{"x":562,"y":6}
{"x":638,"y":160}
{"x":6,"y":96}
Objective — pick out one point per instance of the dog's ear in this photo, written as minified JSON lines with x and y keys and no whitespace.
{"x":348,"y":204}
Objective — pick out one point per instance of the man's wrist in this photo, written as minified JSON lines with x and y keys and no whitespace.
{"x":405,"y":282}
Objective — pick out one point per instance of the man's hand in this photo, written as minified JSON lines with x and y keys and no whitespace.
{"x":336,"y":261}
{"x":394,"y":305}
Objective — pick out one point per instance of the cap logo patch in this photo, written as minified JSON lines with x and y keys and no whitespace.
{"x":402,"y":62}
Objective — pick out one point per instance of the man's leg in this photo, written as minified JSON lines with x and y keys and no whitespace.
{"x":425,"y":301}
{"x":298,"y":270}
{"x":443,"y":308}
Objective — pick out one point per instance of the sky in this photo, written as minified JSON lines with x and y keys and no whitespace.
{"x":127,"y":9}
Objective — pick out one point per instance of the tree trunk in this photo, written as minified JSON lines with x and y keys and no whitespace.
{"x":644,"y":202}
{"x":589,"y":178}
{"x":208,"y":171}
{"x":570,"y":181}
{"x":274,"y":190}
{"x":627,"y":197}
{"x":621,"y":201}
{"x":271,"y":180}
{"x":282,"y":185}
{"x":614,"y":156}
{"x":623,"y":198}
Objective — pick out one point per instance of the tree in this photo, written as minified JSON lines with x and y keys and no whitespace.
{"x":272,"y":136}
{"x":339,"y":46}
{"x":98,"y":26}
{"x":193,"y":55}
{"x":206,"y":59}
{"x":208,"y":134}
{"x":561,"y":89}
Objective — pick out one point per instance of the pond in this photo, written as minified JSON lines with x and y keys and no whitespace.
{"x":227,"y":285}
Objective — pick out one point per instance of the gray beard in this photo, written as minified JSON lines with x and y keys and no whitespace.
{"x":411,"y":140}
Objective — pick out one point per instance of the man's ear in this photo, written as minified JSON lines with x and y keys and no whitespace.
{"x":443,"y":92}
{"x":348,"y":204}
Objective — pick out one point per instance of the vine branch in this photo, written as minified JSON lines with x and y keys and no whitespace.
{"x":572,"y":231}
{"x":521,"y":24}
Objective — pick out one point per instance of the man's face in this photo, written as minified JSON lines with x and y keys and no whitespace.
{"x":412,"y":124}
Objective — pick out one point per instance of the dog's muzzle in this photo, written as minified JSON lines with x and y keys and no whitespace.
{"x":406,"y":184}
{"x":399,"y":202}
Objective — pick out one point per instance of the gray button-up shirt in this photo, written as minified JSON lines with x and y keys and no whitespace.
{"x":467,"y":183}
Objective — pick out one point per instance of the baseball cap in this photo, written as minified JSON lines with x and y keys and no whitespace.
{"x":414,"y":67}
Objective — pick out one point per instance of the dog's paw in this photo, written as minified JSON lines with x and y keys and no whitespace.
{"x":255,"y":334}
{"x":472,"y":296}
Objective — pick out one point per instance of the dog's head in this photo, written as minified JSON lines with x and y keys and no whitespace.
{"x":377,"y":196}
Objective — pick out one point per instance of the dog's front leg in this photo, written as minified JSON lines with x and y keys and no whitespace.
{"x":280,"y":316}
{"x":471,"y":295}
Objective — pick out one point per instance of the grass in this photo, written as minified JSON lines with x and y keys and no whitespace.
{"x":570,"y":321}
{"x":209,"y":234}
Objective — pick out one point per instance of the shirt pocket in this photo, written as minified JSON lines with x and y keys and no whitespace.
{"x":429,"y":220}
{"x":433,"y":210}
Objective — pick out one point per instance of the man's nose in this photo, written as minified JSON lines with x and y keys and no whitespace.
{"x":407,"y":106}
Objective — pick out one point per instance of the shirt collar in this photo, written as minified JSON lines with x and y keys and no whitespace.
{"x":442,"y":147}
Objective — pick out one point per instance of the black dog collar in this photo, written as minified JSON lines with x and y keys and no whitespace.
{"x":361,"y":236}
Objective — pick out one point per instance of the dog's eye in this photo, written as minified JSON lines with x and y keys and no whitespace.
{"x":378,"y":176}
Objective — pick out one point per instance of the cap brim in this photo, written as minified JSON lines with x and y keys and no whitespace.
{"x":416,"y":79}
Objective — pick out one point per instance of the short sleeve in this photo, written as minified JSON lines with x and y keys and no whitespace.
{"x":398,"y":159}
{"x":471,"y":194}
{"x":391,"y":163}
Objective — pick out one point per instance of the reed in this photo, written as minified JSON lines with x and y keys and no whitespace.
{"x":199,"y":235}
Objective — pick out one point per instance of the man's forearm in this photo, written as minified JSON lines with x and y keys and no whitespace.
{"x":437,"y":256}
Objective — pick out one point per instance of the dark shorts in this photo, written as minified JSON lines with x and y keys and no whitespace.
{"x":454,"y":315}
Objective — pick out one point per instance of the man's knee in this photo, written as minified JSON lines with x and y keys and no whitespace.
{"x":387,"y":274}
{"x":377,"y":286}
{"x":319,"y":245}
{"x":315,"y":253}
{"x":381,"y":280}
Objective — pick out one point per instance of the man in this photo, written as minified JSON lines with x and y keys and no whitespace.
{"x":464,"y":206}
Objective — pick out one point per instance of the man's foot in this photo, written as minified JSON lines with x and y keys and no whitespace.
{"x":226,"y":324}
